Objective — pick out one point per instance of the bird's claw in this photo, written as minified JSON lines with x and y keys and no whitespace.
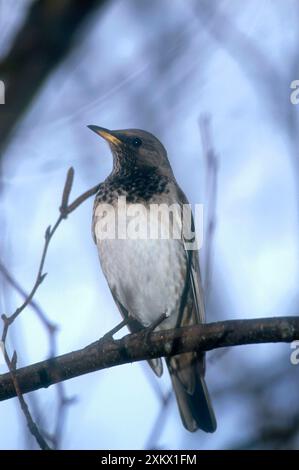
{"x":109,"y":335}
{"x":153,"y":326}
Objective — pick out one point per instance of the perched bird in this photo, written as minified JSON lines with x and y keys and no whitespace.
{"x":148,"y":276}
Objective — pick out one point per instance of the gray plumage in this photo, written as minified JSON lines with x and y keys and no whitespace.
{"x":148,"y":277}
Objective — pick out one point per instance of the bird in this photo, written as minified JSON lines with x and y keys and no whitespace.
{"x":155,"y":282}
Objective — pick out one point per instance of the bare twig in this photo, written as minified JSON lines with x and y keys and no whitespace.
{"x":65,"y":210}
{"x":255,"y":62}
{"x":159,"y":423}
{"x":63,"y":400}
{"x":211,"y":161}
{"x":11,"y":364}
{"x":67,"y":191}
{"x":34,"y":305}
{"x":77,"y":202}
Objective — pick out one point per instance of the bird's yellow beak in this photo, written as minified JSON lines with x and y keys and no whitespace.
{"x":108,"y":135}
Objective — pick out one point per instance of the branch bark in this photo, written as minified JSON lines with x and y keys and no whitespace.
{"x":103,"y":354}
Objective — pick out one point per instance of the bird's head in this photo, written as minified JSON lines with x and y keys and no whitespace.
{"x":133,"y":148}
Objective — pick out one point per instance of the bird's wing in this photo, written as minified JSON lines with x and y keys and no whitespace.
{"x":193,"y":271}
{"x":196,"y":287}
{"x":187,"y":370}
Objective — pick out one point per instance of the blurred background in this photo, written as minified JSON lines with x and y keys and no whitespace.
{"x":212,"y":79}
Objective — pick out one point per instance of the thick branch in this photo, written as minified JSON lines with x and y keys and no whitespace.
{"x":43,"y":42}
{"x":137,"y":347}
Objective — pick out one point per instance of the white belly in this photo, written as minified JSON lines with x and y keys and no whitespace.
{"x":147,"y":276}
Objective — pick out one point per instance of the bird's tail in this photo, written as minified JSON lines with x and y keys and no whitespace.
{"x":187,"y":375}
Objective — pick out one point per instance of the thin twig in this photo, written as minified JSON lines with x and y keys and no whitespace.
{"x":160,"y":422}
{"x":65,"y":210}
{"x":211,"y":161}
{"x":11,"y":364}
{"x":51,"y":327}
{"x":63,"y":400}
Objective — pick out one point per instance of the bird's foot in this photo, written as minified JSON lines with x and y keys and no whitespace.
{"x":154,"y":325}
{"x":109,"y":335}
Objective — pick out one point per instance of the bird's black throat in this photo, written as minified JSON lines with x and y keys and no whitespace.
{"x":137,"y":184}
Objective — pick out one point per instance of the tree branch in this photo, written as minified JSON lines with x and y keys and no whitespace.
{"x":45,"y":39}
{"x":109,"y":353}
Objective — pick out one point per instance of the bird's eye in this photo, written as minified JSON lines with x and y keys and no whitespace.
{"x":136,"y":142}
